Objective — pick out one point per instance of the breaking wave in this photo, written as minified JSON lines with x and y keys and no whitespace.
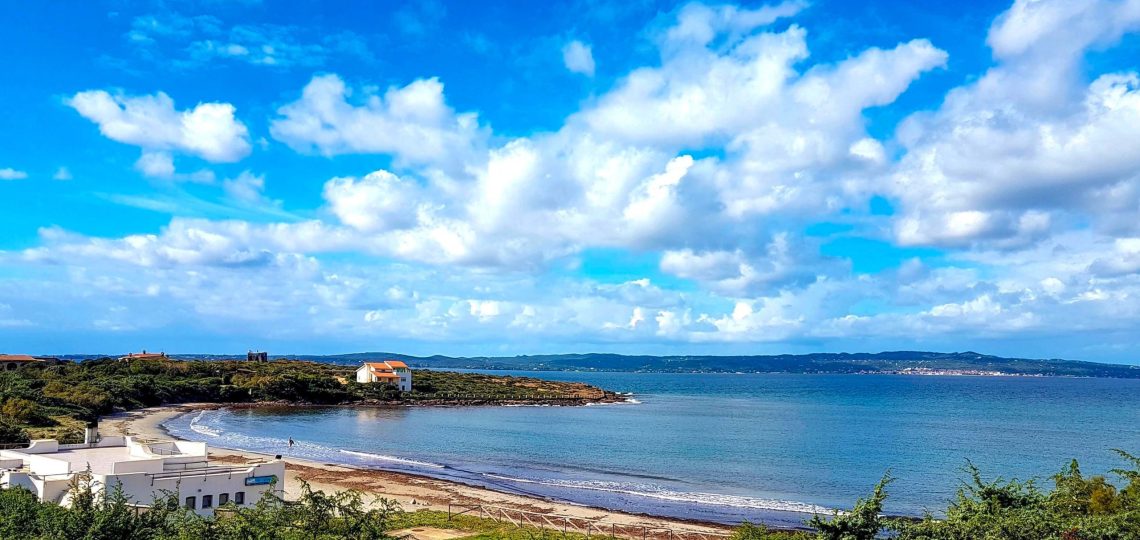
{"x":655,"y":492}
{"x":201,"y":429}
{"x":394,"y":459}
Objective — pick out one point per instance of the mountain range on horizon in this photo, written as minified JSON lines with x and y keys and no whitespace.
{"x":967,"y":362}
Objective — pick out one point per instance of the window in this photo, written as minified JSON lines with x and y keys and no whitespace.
{"x":207,"y":501}
{"x":223,"y":498}
{"x":191,"y":503}
{"x":239,"y":497}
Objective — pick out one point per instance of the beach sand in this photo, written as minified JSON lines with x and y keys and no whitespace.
{"x":411,"y":491}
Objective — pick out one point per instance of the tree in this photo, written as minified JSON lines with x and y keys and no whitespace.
{"x":25,"y":411}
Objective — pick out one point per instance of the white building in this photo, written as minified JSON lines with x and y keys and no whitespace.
{"x":144,"y":470}
{"x":392,"y":372}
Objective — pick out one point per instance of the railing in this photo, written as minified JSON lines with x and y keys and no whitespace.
{"x":202,"y":472}
{"x":569,"y":524}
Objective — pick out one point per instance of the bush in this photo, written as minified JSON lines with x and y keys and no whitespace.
{"x":25,"y":411}
{"x":11,"y":433}
{"x":316,"y":516}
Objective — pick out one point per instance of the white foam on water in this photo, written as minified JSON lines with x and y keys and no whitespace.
{"x":198,"y":424}
{"x":630,"y":401}
{"x":394,"y":459}
{"x":200,"y":429}
{"x":655,"y":492}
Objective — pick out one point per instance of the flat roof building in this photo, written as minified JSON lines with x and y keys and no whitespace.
{"x":145,"y":470}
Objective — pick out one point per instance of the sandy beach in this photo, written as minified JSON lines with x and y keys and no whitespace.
{"x":411,"y":491}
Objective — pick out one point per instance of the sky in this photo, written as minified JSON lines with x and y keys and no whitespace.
{"x":500,"y":178}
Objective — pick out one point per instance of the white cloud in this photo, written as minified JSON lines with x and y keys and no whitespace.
{"x":209,"y":130}
{"x":12,"y":174}
{"x":578,"y":58}
{"x":156,"y":164}
{"x":248,"y":189}
{"x":713,"y":159}
{"x":794,"y":142}
{"x":62,"y":173}
{"x":378,"y":202}
{"x":1029,"y":143}
{"x":784,"y":261}
{"x":699,"y":24}
{"x":412,"y":123}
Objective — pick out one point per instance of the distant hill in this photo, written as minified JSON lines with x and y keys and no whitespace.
{"x":917,"y":362}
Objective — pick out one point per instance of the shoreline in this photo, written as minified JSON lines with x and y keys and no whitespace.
{"x":413,"y":492}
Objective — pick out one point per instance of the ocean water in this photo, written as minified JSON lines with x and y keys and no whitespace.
{"x":724,"y":447}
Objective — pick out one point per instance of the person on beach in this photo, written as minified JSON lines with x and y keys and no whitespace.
{"x":291,"y":442}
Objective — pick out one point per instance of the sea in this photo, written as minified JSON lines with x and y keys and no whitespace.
{"x":771,"y":448}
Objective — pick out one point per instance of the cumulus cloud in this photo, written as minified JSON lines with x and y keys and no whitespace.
{"x":379,"y":201}
{"x":578,"y":58}
{"x":710,"y":163}
{"x":619,"y":164}
{"x":412,"y":123}
{"x":785,"y":261}
{"x":1028,"y":144}
{"x":700,"y":24}
{"x":209,"y":130}
{"x":12,"y":174}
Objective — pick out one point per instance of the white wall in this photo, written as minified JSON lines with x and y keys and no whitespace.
{"x":144,"y":488}
{"x":138,"y":465}
{"x":42,"y":465}
{"x":41,"y":446}
{"x":363,"y":375}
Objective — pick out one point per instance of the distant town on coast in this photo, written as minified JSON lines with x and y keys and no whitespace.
{"x":888,"y":362}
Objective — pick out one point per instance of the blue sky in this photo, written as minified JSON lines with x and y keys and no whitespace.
{"x":519,"y":178}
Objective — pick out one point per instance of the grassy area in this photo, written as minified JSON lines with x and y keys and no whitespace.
{"x":482,"y":528}
{"x":65,"y":430}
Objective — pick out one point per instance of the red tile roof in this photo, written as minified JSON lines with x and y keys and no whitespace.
{"x":18,"y":358}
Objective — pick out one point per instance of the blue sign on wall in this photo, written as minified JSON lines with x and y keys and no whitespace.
{"x":260,"y":480}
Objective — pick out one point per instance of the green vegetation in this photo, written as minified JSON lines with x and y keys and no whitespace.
{"x":1078,"y":507}
{"x":56,"y":400}
{"x":314,"y":516}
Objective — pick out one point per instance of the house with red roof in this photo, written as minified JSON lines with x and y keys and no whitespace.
{"x":8,"y":362}
{"x":392,"y":372}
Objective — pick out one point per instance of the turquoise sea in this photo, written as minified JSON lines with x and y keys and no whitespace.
{"x":724,"y":447}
